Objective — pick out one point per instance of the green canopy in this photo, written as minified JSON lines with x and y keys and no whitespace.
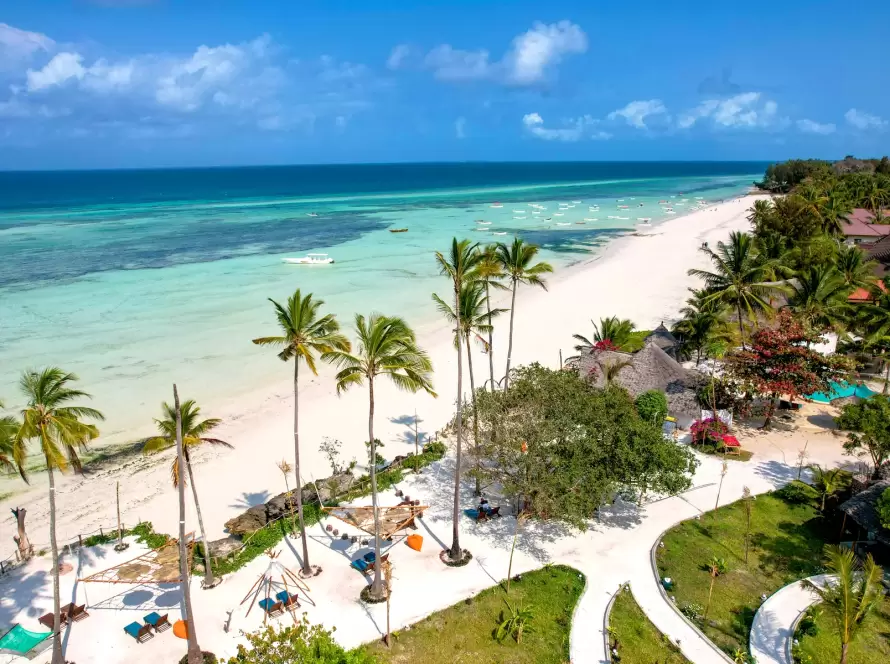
{"x":21,"y":640}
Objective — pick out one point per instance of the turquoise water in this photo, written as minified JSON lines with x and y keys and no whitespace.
{"x":841,"y":390}
{"x":136,"y":279}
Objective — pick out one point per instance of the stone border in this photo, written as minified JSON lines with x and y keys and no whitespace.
{"x":789,"y":644}
{"x":606,"y":618}
{"x":664,"y":595}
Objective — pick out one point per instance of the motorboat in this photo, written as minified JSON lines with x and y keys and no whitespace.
{"x":497,"y":205}
{"x":310,"y":259}
{"x":311,"y":214}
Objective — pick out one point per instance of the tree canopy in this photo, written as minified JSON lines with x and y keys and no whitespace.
{"x":565,"y":448}
{"x":867,"y":424}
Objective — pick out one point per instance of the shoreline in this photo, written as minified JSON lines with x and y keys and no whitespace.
{"x":259,"y":425}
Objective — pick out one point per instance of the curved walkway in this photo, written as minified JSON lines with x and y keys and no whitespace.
{"x":773,"y":626}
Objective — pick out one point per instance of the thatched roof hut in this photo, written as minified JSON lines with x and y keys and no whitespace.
{"x":862,"y":510}
{"x":663,"y":338}
{"x":649,"y":369}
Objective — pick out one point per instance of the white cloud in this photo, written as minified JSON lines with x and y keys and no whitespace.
{"x":460,"y":127}
{"x":398,"y":56}
{"x":742,"y":110}
{"x":863,"y":120}
{"x":188,"y":82}
{"x":577,"y":129}
{"x":62,"y":68}
{"x":703,"y":110}
{"x":530,"y":58}
{"x":636,"y":112}
{"x":541,"y":47}
{"x":16,"y":44}
{"x":813,"y":127}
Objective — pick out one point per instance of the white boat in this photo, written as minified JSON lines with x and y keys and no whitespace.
{"x":484,"y":223}
{"x":536,"y":212}
{"x":622,"y":207}
{"x":519,"y":217}
{"x":501,"y":233}
{"x":310,"y":259}
{"x":619,"y":200}
{"x":558,"y":214}
{"x":577,"y":202}
{"x":644,"y":219}
{"x":497,"y":205}
{"x":612,"y":217}
{"x":670,"y":212}
{"x":311,"y":214}
{"x":589,"y":218}
{"x":565,"y":224}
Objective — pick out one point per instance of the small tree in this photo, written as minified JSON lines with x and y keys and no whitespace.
{"x":883,"y":508}
{"x":724,"y":468}
{"x":715,"y":567}
{"x":286,"y":469}
{"x":868,"y":427}
{"x":330,"y":449}
{"x":652,"y":406}
{"x":852,"y":597}
{"x":780,"y":361}
{"x":302,"y":643}
{"x":828,"y":482}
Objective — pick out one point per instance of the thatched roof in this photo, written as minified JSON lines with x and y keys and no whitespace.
{"x":663,"y":338}
{"x":649,"y":369}
{"x":861,"y":509}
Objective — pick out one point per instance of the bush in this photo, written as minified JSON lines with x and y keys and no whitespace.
{"x":709,"y":431}
{"x":652,"y":406}
{"x":301,"y":643}
{"x":807,"y":625}
{"x":206,"y":658}
{"x":693,"y":611}
{"x":434,"y":450}
{"x":883,"y":508}
{"x":799,"y":493}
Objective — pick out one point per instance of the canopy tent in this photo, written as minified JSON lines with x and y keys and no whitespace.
{"x":392,"y":519}
{"x":275,"y":579}
{"x":21,"y":640}
{"x":158,"y":566}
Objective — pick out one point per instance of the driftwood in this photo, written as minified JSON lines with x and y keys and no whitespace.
{"x":22,"y":541}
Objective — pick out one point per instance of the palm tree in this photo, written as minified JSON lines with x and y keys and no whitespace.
{"x":517,"y":261}
{"x":461,"y":266}
{"x":490,"y":273}
{"x":475,"y":319}
{"x":12,"y":450}
{"x":697,"y":330}
{"x":834,"y":212}
{"x":615,"y":330}
{"x":813,"y":198}
{"x":819,"y":297}
{"x":386,"y":346}
{"x":761,"y":213}
{"x":828,"y":482}
{"x":855,"y":268}
{"x":303,"y":336}
{"x":852,"y":596}
{"x":612,"y":369}
{"x":50,"y":418}
{"x":873,"y":323}
{"x":715,"y":566}
{"x":194,"y":433}
{"x":738,"y":278}
{"x":773,"y":250}
{"x":875,"y":197}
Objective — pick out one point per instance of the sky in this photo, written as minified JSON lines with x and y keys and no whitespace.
{"x":166,"y":83}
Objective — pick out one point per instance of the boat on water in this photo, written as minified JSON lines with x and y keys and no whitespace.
{"x":519,"y":211}
{"x":580,"y":222}
{"x":519,"y":217}
{"x":311,"y":214}
{"x":662,"y":202}
{"x":644,"y":220}
{"x":500,"y":233}
{"x":497,"y":205}
{"x":577,"y":202}
{"x":309,"y":259}
{"x":484,"y":223}
{"x":622,"y":207}
{"x":589,"y":218}
{"x":565,"y":224}
{"x":398,"y":230}
{"x":558,"y":214}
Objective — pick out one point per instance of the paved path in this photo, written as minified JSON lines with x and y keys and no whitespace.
{"x":773,"y":623}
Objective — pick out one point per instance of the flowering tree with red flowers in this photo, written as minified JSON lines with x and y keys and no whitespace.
{"x":780,"y":361}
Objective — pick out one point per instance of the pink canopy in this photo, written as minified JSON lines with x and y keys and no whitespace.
{"x":731,"y":441}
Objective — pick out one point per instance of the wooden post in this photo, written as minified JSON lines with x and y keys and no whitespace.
{"x":560,"y":358}
{"x":416,"y":453}
{"x":120,"y":533}
{"x":387,"y":575}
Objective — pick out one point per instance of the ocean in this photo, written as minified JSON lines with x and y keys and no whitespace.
{"x":136,"y":279}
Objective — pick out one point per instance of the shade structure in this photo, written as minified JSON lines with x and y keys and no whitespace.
{"x":21,"y":640}
{"x":392,"y":519}
{"x":275,"y":579}
{"x":158,"y":566}
{"x":731,"y":441}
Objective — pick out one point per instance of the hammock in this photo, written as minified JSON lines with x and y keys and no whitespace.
{"x":21,"y":640}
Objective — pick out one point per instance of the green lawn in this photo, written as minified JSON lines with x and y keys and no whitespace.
{"x":463,"y":633}
{"x":786,"y":544}
{"x":871,"y":646}
{"x":636,"y":638}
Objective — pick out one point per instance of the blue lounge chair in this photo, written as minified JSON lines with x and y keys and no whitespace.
{"x":359,"y":565}
{"x":271,"y":607}
{"x":287,"y":600}
{"x":370,"y":557}
{"x":141,"y":633}
{"x":158,"y":622}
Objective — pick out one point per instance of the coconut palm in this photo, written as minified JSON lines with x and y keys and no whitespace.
{"x":856,"y":270}
{"x":475,"y":316}
{"x":613,"y":330}
{"x":387,"y":347}
{"x":461,"y":266}
{"x":812,"y":197}
{"x":739,"y":277}
{"x":876,"y":197}
{"x":194,"y":433}
{"x":853,"y":594}
{"x":819,"y":297}
{"x":51,"y":419}
{"x":12,"y":450}
{"x":697,"y":331}
{"x":761,"y":213}
{"x":715,"y":566}
{"x":828,"y":481}
{"x":490,"y":273}
{"x":517,"y":261}
{"x":773,"y":249}
{"x":873,"y":323}
{"x":304,"y":334}
{"x":834,"y":212}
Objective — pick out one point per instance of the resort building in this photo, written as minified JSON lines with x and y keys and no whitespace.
{"x":860,"y":227}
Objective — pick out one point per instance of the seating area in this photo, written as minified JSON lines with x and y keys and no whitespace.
{"x":367,"y":563}
{"x":152,"y":624}
{"x":68,"y":613}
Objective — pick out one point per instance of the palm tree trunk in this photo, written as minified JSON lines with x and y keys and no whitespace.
{"x":710,"y":590}
{"x":298,"y":487}
{"x":698,"y":356}
{"x":769,"y":411}
{"x":478,"y":490}
{"x":490,"y":337}
{"x":208,"y":572}
{"x":844,"y":648}
{"x":510,"y":342}
{"x":194,"y":651}
{"x":377,"y":585}
{"x":512,"y":549}
{"x":54,"y":549}
{"x":741,"y":327}
{"x":456,"y":552}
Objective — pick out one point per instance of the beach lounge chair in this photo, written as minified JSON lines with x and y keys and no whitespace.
{"x":359,"y":565}
{"x":158,"y":622}
{"x":141,"y":633}
{"x":372,"y":563}
{"x":288,"y":601}
{"x":271,"y":607}
{"x":76,"y":613}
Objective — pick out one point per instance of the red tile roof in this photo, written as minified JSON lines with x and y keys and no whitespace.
{"x":864,"y":295}
{"x":858,"y":223}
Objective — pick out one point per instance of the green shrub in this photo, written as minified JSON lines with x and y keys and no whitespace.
{"x":799,"y":493}
{"x":652,"y":406}
{"x":693,"y":611}
{"x":434,"y":450}
{"x":883,"y":508}
{"x":301,"y":643}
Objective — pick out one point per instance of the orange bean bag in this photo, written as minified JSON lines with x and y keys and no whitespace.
{"x":415,"y":542}
{"x":180,"y":629}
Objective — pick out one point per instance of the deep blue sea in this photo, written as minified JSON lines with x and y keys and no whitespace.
{"x":131,"y":278}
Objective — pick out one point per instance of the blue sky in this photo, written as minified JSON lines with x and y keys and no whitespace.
{"x":134,"y":83}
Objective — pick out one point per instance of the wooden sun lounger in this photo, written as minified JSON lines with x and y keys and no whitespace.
{"x":159,"y":623}
{"x":272,"y":609}
{"x":288,"y":601}
{"x":372,"y":563}
{"x":141,"y":633}
{"x":77,"y":613}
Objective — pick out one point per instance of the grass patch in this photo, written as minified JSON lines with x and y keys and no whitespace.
{"x":743,"y":455}
{"x":822,"y":644}
{"x":144,"y":533}
{"x":634,"y":636}
{"x":465,"y":631}
{"x":787,"y":538}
